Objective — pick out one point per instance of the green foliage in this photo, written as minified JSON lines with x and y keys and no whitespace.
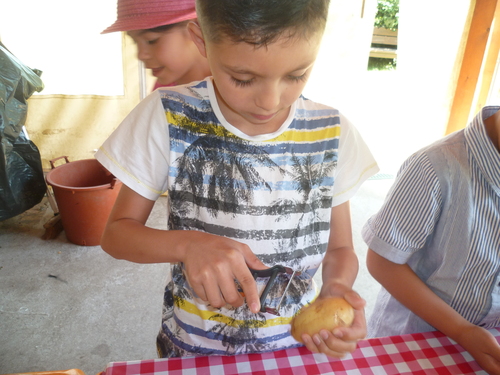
{"x":387,"y":17}
{"x":387,"y":14}
{"x":378,"y":63}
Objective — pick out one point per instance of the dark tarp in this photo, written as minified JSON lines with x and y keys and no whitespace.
{"x":22,"y":184}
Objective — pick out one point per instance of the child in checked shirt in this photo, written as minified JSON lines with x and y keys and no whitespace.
{"x":435,"y":244}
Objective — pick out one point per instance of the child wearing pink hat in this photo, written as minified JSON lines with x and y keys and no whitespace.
{"x":159,"y":28}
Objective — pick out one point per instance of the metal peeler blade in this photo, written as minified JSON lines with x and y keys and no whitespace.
{"x":272,"y":273}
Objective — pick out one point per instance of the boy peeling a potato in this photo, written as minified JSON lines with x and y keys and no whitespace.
{"x":256,"y":176}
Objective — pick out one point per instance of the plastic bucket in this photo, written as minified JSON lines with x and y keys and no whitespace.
{"x":85,"y":193}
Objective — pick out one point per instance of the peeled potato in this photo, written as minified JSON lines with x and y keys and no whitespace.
{"x":325,"y":313}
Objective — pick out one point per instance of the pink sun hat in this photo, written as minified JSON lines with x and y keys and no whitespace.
{"x":148,"y":14}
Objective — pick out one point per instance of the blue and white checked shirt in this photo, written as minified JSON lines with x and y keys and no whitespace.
{"x":442,"y":217}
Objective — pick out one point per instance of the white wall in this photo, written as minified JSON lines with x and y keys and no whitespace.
{"x":62,"y":39}
{"x":430,"y":40}
{"x":343,"y":58}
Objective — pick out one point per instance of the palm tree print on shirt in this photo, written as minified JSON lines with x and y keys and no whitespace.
{"x":219,"y":173}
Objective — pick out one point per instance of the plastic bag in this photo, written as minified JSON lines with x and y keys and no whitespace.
{"x":22,"y":184}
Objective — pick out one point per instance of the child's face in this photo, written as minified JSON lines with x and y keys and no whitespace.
{"x":256,"y":86}
{"x":169,"y":54}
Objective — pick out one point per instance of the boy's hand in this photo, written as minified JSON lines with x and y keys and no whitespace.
{"x":483,"y":346}
{"x":213,"y":263}
{"x":341,"y":340}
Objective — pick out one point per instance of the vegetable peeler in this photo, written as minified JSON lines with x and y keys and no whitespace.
{"x":272,"y":273}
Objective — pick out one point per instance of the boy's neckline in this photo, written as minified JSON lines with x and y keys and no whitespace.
{"x":258,"y":137}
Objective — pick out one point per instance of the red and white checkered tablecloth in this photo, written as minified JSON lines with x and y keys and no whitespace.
{"x":420,"y":353}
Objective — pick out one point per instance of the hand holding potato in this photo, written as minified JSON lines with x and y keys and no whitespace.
{"x":325,"y":313}
{"x":338,"y":341}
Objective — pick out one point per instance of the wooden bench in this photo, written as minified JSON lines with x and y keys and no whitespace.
{"x":386,"y":42}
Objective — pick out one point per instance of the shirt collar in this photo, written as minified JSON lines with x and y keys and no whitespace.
{"x":484,"y":153}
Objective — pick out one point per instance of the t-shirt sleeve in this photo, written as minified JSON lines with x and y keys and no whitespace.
{"x":355,"y":163}
{"x":409,"y":213}
{"x":137,"y":151}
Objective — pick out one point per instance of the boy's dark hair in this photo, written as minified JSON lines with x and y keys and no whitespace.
{"x":260,"y":22}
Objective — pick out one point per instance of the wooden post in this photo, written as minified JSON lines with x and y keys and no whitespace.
{"x":489,"y":64}
{"x":475,"y":49}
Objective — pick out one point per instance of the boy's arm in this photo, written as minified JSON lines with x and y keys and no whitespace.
{"x":339,"y":269}
{"x":401,"y":282}
{"x":211,"y":262}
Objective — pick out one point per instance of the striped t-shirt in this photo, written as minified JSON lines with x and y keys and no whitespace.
{"x":442,"y":217}
{"x":273,"y":192}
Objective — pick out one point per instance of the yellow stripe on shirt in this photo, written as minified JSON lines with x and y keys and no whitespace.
{"x":289,"y":135}
{"x":220,"y":318}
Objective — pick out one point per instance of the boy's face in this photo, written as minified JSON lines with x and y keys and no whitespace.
{"x":169,"y":54}
{"x":255,"y":87}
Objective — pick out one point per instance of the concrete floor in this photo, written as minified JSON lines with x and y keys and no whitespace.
{"x":65,"y":306}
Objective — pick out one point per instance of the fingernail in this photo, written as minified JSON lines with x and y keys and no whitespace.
{"x":338,"y":334}
{"x":254,"y":307}
{"x":324,"y":335}
{"x":316,"y":339}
